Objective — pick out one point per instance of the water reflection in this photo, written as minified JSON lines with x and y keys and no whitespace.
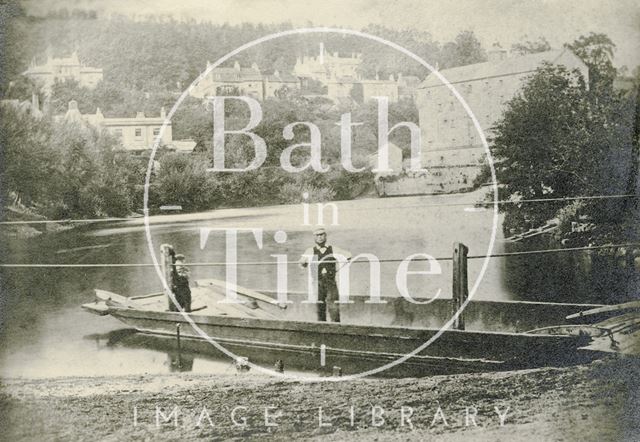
{"x":189,"y":353}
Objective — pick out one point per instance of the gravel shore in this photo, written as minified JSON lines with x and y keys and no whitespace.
{"x":595,"y":402}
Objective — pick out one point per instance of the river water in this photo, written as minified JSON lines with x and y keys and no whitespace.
{"x":45,"y":333}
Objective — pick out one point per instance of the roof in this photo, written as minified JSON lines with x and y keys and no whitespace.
{"x":508,"y":66}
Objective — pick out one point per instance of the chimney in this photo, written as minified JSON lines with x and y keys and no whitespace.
{"x":163,"y":112}
{"x":236,"y":66}
{"x":254,"y":66}
{"x":496,"y":53}
{"x":391,"y":78}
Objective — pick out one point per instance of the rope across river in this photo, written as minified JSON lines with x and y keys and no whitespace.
{"x":270,"y":263}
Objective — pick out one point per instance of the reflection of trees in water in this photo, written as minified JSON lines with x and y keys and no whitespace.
{"x":601,"y":276}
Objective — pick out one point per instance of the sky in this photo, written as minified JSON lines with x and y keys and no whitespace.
{"x":503,"y":21}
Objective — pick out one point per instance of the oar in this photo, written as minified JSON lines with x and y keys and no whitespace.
{"x":633,"y":305}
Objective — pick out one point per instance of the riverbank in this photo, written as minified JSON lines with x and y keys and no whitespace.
{"x":595,"y":402}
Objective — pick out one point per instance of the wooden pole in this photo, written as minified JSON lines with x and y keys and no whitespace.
{"x":179,"y":346}
{"x":460,"y":285}
{"x":167,"y":267}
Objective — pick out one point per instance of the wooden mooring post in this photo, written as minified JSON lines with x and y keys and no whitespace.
{"x":460,"y":284}
{"x":167,"y":253}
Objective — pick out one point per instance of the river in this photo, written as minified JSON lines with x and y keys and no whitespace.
{"x":45,"y":333}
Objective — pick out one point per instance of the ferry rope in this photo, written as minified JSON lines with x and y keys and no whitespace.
{"x":265,"y":263}
{"x":442,"y":204}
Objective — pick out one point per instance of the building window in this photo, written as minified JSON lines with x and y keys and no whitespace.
{"x":138,"y":132}
{"x":156,"y":131}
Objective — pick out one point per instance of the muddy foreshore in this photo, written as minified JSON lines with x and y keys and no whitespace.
{"x":595,"y":402}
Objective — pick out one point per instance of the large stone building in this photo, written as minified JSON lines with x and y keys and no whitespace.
{"x":62,"y":69}
{"x":449,"y":137}
{"x":326,"y":66}
{"x":135,"y":134}
{"x":244,"y":81}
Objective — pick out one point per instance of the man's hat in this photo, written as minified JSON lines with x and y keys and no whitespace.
{"x":179,"y":257}
{"x":319,"y":231}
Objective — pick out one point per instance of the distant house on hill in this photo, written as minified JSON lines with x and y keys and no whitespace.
{"x":227,"y":81}
{"x":244,"y":81}
{"x":326,"y":66}
{"x":280,"y":83}
{"x":62,"y":69}
{"x":449,"y":137}
{"x":135,"y":134}
{"x":363,"y":90}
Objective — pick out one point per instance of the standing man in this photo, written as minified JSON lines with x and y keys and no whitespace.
{"x":180,"y":285}
{"x":321,"y":257}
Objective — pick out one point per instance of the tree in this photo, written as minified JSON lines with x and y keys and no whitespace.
{"x":183,"y":179}
{"x":531,"y":46}
{"x":596,"y":50}
{"x":554,"y":141}
{"x":26,"y":158}
{"x":465,"y":49}
{"x":62,"y":92}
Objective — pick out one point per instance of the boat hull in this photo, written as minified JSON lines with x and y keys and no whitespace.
{"x":454,"y":351}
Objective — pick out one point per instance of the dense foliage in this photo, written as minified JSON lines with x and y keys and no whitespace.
{"x":561,"y":137}
{"x":65,"y":170}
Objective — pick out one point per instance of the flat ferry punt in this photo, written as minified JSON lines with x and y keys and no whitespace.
{"x":499,"y":341}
